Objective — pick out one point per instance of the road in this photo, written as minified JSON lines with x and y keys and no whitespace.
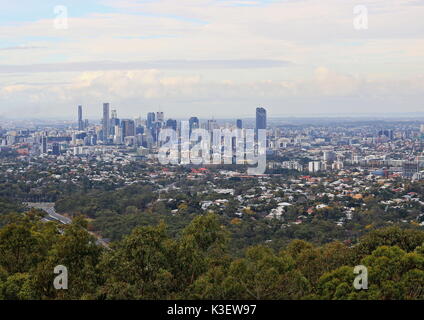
{"x":53,"y":215}
{"x":49,"y":208}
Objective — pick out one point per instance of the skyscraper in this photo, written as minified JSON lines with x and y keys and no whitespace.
{"x":117,"y":138}
{"x":80,"y":122}
{"x":260,"y":118}
{"x":44,"y":144}
{"x":56,"y":149}
{"x":150,"y":120}
{"x":239,"y":124}
{"x":106,"y":123}
{"x":127,"y":128}
{"x":114,"y":121}
{"x":171,"y":124}
{"x":193,"y":123}
{"x":160,"y":117}
{"x":211,"y":125}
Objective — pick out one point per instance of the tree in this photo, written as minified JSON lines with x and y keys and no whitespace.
{"x":18,"y":248}
{"x":393,"y":274}
{"x":78,"y":251}
{"x":139,"y":264}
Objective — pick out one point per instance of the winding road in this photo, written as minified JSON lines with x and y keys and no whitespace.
{"x":53,"y":215}
{"x":49,"y":208}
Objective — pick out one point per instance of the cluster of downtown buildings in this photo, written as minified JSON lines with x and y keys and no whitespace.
{"x":112,"y":132}
{"x":385,"y":148}
{"x":145,"y":133}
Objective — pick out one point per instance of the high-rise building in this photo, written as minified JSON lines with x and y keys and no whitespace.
{"x":117,"y":138}
{"x":106,"y":122}
{"x":239,"y":124}
{"x":127,"y":128}
{"x":422,"y":128}
{"x":56,"y":149}
{"x":93,"y":139}
{"x":260,"y":118}
{"x":193,"y":123}
{"x":44,"y":144}
{"x":150,"y":120}
{"x":80,"y":122}
{"x":114,"y":121}
{"x":212,"y":125}
{"x":172,"y":124}
{"x":160,"y":117}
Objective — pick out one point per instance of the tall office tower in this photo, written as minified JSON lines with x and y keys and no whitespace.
{"x":127,"y":128}
{"x":93,"y":140}
{"x":56,"y":149}
{"x":138,"y":122}
{"x":160,"y":117}
{"x":139,"y":130}
{"x":260,"y":118}
{"x":44,"y":144}
{"x":239,"y":124}
{"x":193,"y":123}
{"x":212,"y":125}
{"x":114,"y":121}
{"x":106,"y":122}
{"x":171,"y":124}
{"x":117,"y":139}
{"x":80,"y":122}
{"x":422,"y":128}
{"x":150,"y":120}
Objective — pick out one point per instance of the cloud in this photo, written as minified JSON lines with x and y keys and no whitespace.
{"x":159,"y":64}
{"x":330,"y":83}
{"x":203,"y":56}
{"x":140,"y":91}
{"x":23,"y":47}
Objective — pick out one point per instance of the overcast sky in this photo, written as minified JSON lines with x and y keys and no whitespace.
{"x":218,"y":58}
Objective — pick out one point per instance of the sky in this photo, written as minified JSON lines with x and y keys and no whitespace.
{"x":210,"y":58}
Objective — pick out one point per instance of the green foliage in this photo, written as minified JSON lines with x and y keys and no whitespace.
{"x":152,"y":263}
{"x":393,"y":274}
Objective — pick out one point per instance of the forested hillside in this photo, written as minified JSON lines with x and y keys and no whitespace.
{"x":197,"y":264}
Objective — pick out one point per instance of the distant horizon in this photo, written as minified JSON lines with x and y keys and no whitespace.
{"x":365,"y":116}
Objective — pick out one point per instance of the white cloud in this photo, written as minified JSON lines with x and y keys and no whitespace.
{"x":140,"y":91}
{"x":217,"y":54}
